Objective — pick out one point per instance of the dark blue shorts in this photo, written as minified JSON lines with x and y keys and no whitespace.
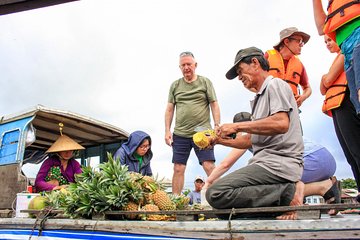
{"x":182,"y":147}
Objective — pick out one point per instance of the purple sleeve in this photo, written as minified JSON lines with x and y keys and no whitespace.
{"x":73,"y":168}
{"x":78,"y":169}
{"x":40,"y":183}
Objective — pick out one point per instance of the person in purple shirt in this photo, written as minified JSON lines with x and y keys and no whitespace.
{"x":60,"y":168}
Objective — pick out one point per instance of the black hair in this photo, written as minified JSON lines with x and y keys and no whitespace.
{"x":262,"y":60}
{"x":146,"y":138}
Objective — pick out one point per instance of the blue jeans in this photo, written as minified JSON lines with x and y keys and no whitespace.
{"x":351,"y":50}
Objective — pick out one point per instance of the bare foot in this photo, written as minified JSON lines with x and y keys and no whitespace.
{"x":350,"y":211}
{"x":296,"y":201}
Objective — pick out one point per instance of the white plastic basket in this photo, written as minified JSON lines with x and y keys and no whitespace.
{"x":22,"y":203}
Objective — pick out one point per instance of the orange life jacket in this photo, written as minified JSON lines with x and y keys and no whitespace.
{"x":293,"y":70}
{"x":335,"y":94}
{"x":340,"y":12}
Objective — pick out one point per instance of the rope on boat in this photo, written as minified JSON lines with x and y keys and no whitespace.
{"x":43,"y":215}
{"x":229,"y":222}
{"x":95,"y":225}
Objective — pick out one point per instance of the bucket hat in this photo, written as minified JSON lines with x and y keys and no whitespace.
{"x":287,"y":32}
{"x":64,"y":143}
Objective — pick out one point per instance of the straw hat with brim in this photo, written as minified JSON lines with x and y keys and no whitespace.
{"x":287,"y":32}
{"x":64,"y":143}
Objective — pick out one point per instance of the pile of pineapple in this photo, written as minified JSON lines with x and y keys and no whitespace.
{"x":114,"y":188}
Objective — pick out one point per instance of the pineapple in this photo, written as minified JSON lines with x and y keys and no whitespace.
{"x":135,"y":179}
{"x":148,"y":198}
{"x":148,"y":179}
{"x":95,"y":192}
{"x":201,"y":139}
{"x":149,"y":184}
{"x":151,"y":217}
{"x":131,"y":206}
{"x":181,"y":201}
{"x":162,"y":200}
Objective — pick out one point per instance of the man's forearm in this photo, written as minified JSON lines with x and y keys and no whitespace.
{"x":240,"y":142}
{"x":215,"y":110}
{"x":275,"y":124}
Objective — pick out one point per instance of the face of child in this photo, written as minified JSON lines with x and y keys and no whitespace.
{"x":198,"y":185}
{"x":143,"y":148}
{"x":331,"y":45}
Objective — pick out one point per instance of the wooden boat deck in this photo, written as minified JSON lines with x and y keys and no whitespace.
{"x":312,"y":226}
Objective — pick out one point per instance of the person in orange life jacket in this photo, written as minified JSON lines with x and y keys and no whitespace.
{"x":333,"y":84}
{"x":337,"y":105}
{"x":285,"y":64}
{"x":136,"y":153}
{"x":342,"y":24}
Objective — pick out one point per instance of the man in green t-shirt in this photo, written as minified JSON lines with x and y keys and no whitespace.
{"x":192,"y":96}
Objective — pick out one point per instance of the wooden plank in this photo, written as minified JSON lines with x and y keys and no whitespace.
{"x":339,"y":206}
{"x":309,"y":214}
{"x":7,"y":213}
{"x":11,"y":182}
{"x":304,"y":212}
{"x":245,"y":210}
{"x":329,"y":228}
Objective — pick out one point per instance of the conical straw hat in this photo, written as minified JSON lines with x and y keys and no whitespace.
{"x":64,"y":143}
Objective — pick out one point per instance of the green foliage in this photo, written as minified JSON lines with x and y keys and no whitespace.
{"x":181,"y":201}
{"x":186,"y":192}
{"x":94,"y":192}
{"x":111,"y":188}
{"x":348,"y":183}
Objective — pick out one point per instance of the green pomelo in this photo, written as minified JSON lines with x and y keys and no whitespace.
{"x":37,"y":203}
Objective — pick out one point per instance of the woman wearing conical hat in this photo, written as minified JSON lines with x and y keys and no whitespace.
{"x":60,"y":168}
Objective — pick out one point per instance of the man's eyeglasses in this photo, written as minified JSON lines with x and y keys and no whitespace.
{"x":183,"y":54}
{"x":144,"y":147}
{"x":299,"y":41}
